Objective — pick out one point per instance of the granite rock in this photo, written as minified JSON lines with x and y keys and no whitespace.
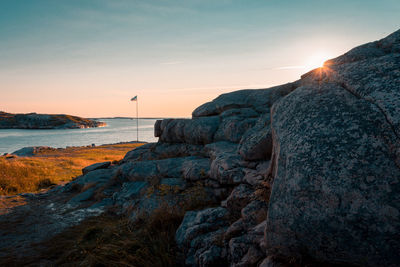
{"x":96,"y":166}
{"x":335,"y":161}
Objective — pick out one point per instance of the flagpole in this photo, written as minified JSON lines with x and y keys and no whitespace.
{"x":137,"y":121}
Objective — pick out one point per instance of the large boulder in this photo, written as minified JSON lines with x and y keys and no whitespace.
{"x":196,"y":131}
{"x":239,"y":198}
{"x":222,"y":103}
{"x":259,"y":100}
{"x":245,"y":250}
{"x":195,"y":170}
{"x":336,"y":161}
{"x":232,"y":128}
{"x":226,"y":168}
{"x":256,"y":144}
{"x":192,"y":168}
{"x":143,"y":152}
{"x":200,"y":236}
{"x":96,"y":166}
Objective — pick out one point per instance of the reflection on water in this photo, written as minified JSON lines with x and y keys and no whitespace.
{"x":117,"y":130}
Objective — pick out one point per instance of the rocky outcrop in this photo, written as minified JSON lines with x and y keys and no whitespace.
{"x":32,"y":150}
{"x":302,"y":173}
{"x":336,"y":160}
{"x":45,"y":121}
{"x":335,"y":168}
{"x":220,"y":156}
{"x":96,"y":166}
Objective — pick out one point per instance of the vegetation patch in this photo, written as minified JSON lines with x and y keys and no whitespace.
{"x":53,"y":166}
{"x":113,"y":240}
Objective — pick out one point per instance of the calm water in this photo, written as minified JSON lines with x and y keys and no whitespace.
{"x":117,"y":130}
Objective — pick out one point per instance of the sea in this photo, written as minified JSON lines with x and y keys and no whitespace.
{"x":117,"y":130}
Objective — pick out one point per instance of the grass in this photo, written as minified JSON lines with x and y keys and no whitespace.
{"x":114,"y":240}
{"x":49,"y":167}
{"x":105,"y":240}
{"x":110,"y":240}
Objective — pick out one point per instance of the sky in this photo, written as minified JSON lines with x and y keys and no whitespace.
{"x":89,"y":57}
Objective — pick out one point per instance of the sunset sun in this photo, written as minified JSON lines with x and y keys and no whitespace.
{"x":317,"y":60}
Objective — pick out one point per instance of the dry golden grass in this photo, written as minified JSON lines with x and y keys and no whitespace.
{"x":109,"y":240}
{"x":30,"y":174}
{"x":114,"y":240}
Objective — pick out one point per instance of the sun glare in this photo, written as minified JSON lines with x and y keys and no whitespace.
{"x":316,"y":60}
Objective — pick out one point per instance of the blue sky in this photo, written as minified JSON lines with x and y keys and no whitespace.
{"x":88,"y":57}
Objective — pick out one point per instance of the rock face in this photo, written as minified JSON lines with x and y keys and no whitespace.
{"x":45,"y":121}
{"x":96,"y":166}
{"x":302,"y":173}
{"x":336,"y":160}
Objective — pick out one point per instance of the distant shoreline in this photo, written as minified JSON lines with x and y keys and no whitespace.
{"x":32,"y":150}
{"x":117,"y":130}
{"x":34,"y":121}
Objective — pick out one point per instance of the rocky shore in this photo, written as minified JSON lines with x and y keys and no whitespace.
{"x":302,"y":173}
{"x":45,"y":121}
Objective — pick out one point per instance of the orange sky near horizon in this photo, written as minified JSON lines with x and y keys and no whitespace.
{"x":90,"y":58}
{"x":90,"y":99}
{"x":172,"y":93}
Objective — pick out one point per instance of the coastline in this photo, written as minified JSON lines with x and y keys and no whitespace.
{"x":117,"y":130}
{"x":45,"y":121}
{"x":32,"y":150}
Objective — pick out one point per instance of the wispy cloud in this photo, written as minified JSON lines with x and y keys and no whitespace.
{"x":289,"y":67}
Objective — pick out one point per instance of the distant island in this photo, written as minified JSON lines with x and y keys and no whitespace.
{"x":45,"y":121}
{"x":141,"y":118}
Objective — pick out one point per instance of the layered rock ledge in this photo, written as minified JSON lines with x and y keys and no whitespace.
{"x":298,"y":173}
{"x":45,"y":121}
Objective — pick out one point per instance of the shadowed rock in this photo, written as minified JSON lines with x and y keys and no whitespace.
{"x":96,"y":166}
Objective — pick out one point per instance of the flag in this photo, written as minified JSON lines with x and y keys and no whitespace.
{"x":134,"y":98}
